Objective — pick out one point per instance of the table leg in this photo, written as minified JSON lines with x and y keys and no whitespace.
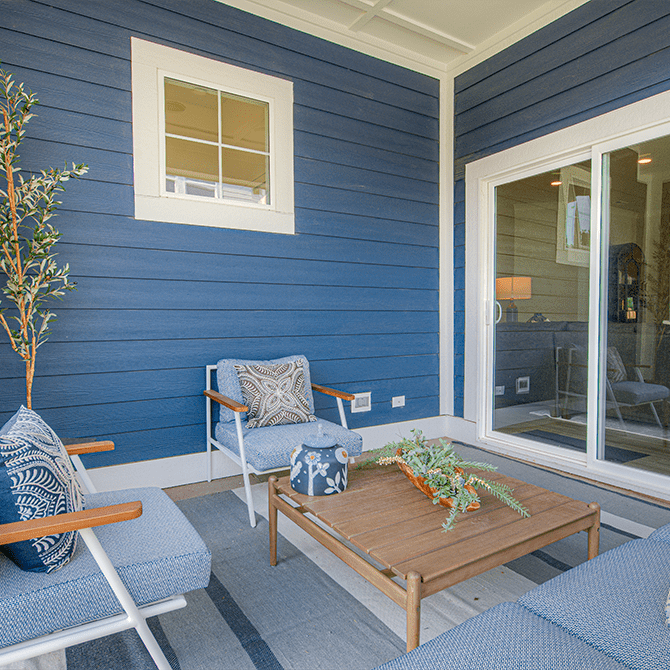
{"x":413,"y":610}
{"x":594,"y":533}
{"x":272,"y":518}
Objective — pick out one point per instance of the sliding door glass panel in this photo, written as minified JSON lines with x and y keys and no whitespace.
{"x":637,"y":381}
{"x":543,"y":240}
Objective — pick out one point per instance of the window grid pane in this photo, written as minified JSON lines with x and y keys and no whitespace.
{"x":216,"y":144}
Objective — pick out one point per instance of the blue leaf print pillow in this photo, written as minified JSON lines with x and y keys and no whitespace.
{"x":36,"y":480}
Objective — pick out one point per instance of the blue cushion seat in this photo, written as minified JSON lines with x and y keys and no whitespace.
{"x":270,"y":447}
{"x":506,"y":637}
{"x":152,"y":565}
{"x":614,"y":602}
{"x":637,"y":393}
{"x":661,"y":534}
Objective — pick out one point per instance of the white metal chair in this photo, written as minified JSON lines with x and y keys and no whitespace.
{"x":115,"y":585}
{"x":571,"y":371}
{"x":263,"y":450}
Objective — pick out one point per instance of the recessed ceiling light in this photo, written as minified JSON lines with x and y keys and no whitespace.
{"x":644,"y":159}
{"x":558,"y":182}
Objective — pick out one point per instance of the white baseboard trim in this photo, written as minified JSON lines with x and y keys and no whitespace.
{"x":192,"y":468}
{"x":375,"y":437}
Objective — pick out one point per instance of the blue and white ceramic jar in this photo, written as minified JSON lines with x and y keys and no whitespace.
{"x":319,"y":467}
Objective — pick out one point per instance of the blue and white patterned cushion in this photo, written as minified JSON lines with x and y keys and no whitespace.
{"x":228,"y":383}
{"x":36,"y":480}
{"x":274,"y":394}
{"x":506,"y":637}
{"x":271,"y":447}
{"x":614,"y":602}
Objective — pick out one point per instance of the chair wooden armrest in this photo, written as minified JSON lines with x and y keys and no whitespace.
{"x":62,"y":523}
{"x":225,"y":401}
{"x":334,"y":392}
{"x":89,"y":447}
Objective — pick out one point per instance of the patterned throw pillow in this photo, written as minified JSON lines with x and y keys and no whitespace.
{"x":274,"y":394}
{"x":36,"y":480}
{"x":616,"y":370}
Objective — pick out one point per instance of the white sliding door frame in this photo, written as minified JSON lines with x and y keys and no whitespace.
{"x":590,"y":139}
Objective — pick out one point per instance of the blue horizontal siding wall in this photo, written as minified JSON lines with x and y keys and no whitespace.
{"x":603,"y":55}
{"x":355,"y":289}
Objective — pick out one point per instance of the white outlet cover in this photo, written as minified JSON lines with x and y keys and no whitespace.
{"x":398,"y":401}
{"x":362,"y":402}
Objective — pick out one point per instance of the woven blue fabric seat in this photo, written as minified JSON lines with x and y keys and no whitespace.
{"x":661,"y":534}
{"x":615,"y":602}
{"x":175,"y":561}
{"x":271,"y":447}
{"x":608,"y":612}
{"x":157,"y":556}
{"x":506,"y":637}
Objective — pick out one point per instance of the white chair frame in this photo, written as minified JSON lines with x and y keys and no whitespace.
{"x":133,"y":617}
{"x":241,"y":459}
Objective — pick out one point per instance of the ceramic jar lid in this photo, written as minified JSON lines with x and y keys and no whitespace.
{"x":320,"y":440}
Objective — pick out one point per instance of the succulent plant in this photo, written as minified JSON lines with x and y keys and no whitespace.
{"x":438,"y":471}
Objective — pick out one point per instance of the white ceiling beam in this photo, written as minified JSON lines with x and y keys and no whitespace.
{"x":426,"y":31}
{"x":368,"y":15}
{"x":381,"y":11}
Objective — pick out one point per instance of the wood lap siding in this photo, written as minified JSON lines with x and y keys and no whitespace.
{"x":603,"y":55}
{"x":355,"y":290}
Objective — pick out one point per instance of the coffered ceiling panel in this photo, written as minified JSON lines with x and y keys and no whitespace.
{"x":429,"y":33}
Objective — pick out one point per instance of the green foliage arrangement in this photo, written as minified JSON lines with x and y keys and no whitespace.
{"x":439,"y":471}
{"x":27,"y":238}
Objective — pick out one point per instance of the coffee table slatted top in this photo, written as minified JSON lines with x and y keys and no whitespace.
{"x":384,"y":515}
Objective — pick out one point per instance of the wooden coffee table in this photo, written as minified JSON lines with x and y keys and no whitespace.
{"x":400,"y":532}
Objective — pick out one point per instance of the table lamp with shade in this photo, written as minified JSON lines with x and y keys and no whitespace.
{"x":512,"y":288}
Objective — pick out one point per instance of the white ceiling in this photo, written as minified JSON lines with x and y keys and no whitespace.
{"x":429,"y":35}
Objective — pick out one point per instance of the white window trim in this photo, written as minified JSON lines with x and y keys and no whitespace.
{"x":634,"y":123}
{"x":150,"y":64}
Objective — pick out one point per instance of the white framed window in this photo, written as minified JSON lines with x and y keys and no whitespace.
{"x":212,"y":142}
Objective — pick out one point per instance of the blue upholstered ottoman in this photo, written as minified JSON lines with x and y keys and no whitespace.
{"x":506,"y":637}
{"x":606,"y":613}
{"x":615,"y":602}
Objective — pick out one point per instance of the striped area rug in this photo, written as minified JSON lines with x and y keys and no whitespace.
{"x":312,"y":612}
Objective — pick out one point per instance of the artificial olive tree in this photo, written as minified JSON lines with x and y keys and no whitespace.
{"x":27,"y":259}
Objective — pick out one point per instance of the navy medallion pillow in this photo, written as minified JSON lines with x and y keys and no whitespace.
{"x":274,"y":394}
{"x":36,"y":480}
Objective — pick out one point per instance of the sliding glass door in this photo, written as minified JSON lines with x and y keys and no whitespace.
{"x":549,"y":265}
{"x":542,"y":260}
{"x":636,"y":223}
